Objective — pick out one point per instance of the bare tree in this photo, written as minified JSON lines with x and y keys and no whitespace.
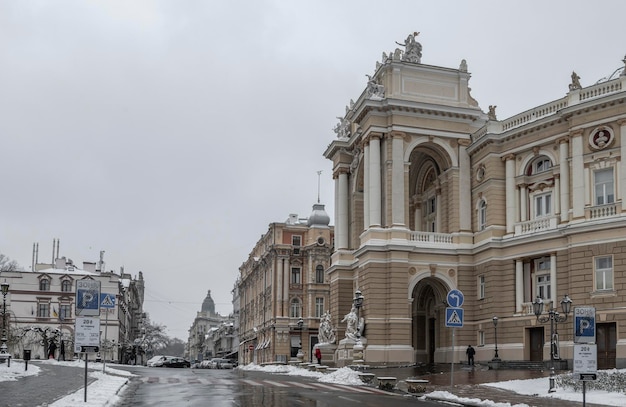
{"x":6,"y":264}
{"x":154,"y":338}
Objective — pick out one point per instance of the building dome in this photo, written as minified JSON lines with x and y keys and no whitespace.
{"x":208,"y":305}
{"x":318,"y":217}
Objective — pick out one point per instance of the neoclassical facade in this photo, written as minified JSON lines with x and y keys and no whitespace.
{"x":433,"y":194}
{"x":283,"y":282}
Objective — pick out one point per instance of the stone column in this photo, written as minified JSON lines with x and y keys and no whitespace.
{"x":374,"y":181}
{"x":553,"y":282}
{"x":523,"y":202}
{"x":622,"y":166}
{"x":397,"y":180}
{"x":578,"y":176}
{"x":510,"y":192}
{"x":465,"y":187}
{"x":341,"y":219}
{"x":564,"y":170}
{"x":519,"y":285}
{"x":366,"y":185}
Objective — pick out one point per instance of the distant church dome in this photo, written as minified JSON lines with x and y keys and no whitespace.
{"x":208,"y":305}
{"x":318,"y":217}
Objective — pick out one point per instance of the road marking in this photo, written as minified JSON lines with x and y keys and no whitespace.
{"x":277,"y":384}
{"x":353,"y":388}
{"x":251,"y":382}
{"x":305,"y":386}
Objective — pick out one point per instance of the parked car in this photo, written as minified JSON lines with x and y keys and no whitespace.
{"x":177,"y":362}
{"x":219,"y":363}
{"x":157,"y":361}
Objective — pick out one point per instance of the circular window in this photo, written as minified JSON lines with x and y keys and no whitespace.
{"x":321,"y":241}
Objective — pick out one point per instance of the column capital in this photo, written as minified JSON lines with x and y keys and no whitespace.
{"x":508,"y":157}
{"x":563,"y":140}
{"x":621,"y":122}
{"x":463,"y":142}
{"x":577,"y":132}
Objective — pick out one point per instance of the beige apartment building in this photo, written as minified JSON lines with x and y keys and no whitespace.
{"x":283,"y":290}
{"x":433,"y":195}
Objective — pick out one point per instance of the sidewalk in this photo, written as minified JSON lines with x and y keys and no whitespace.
{"x":52,"y":383}
{"x":466,"y":383}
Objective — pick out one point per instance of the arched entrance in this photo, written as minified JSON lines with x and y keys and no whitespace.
{"x":429,"y":305}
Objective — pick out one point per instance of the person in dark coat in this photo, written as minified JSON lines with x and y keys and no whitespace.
{"x":470,"y":352}
{"x":51,"y":349}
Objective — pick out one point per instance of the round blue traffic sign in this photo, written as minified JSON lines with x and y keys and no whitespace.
{"x":455,"y":298}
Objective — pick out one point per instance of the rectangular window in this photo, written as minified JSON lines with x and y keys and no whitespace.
{"x":43,"y":310}
{"x":65,"y":311}
{"x":604,"y":186}
{"x":543,"y":205}
{"x":296,"y":240}
{"x":481,"y":338}
{"x":295,"y":275}
{"x":319,"y":307}
{"x":543,"y":286}
{"x":604,"y":273}
{"x":295,"y":309}
{"x":481,"y":287}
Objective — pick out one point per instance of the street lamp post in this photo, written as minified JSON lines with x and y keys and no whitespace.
{"x":554,"y":318}
{"x":3,"y":346}
{"x":496,"y":358}
{"x":300,"y":355}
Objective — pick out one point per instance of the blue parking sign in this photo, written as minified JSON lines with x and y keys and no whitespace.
{"x":87,"y":298}
{"x":584,"y":325}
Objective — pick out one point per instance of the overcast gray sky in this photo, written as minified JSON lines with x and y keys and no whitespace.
{"x":170,"y":134}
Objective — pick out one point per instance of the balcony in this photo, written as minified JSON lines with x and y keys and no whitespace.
{"x":601,"y":211}
{"x":430,"y":237}
{"x":536,"y":225}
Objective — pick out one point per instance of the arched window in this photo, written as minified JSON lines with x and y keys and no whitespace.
{"x":539,"y":165}
{"x":44,"y":284}
{"x":295,"y":308}
{"x":319,"y":274}
{"x":482,"y":215}
{"x":66,"y":286}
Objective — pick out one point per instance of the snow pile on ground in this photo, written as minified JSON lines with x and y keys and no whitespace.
{"x":449,"y":397}
{"x":345,"y":375}
{"x":103,"y":392}
{"x":16,"y":371}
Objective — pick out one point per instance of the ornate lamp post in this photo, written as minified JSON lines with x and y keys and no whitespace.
{"x":300,"y":355}
{"x":495,"y":331}
{"x":554,"y":318}
{"x":3,"y":346}
{"x":358,"y":303}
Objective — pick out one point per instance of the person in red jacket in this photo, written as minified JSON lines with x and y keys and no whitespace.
{"x":318,"y":355}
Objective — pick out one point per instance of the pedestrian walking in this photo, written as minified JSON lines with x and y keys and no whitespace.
{"x":318,"y":355}
{"x":470,"y":352}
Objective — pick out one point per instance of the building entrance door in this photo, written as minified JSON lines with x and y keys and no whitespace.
{"x":606,"y":340}
{"x":536,"y":344}
{"x":431,"y":340}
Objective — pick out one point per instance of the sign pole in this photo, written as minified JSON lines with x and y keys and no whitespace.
{"x":86,"y":373}
{"x":104,"y":347}
{"x":452,"y":366}
{"x":584,"y":391}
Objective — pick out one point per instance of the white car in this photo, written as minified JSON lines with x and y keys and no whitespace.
{"x":157,"y":361}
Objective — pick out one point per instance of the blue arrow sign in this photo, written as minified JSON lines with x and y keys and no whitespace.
{"x":455,"y":298}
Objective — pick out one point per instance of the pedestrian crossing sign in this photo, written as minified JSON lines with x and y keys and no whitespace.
{"x":107,"y":300}
{"x":454,"y":317}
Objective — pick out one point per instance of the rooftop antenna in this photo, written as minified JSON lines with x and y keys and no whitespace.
{"x":319,"y":173}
